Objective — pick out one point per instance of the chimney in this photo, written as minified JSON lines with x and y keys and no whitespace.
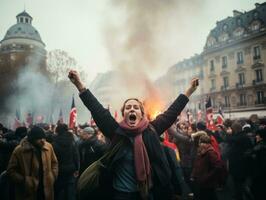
{"x":237,"y":13}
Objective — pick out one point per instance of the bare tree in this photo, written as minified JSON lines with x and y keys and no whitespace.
{"x":59,"y":62}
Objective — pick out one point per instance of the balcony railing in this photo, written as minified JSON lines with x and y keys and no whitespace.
{"x":240,"y":85}
{"x":242,"y":104}
{"x":260,"y":101}
{"x":257,"y":81}
{"x":224,"y":66}
{"x":239,"y":62}
{"x":212,"y":89}
{"x":257,"y":57}
{"x":223,"y":87}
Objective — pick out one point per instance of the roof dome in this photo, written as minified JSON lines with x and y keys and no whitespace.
{"x":23,"y":29}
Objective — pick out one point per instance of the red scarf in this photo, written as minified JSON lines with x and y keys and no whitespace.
{"x":141,"y":159}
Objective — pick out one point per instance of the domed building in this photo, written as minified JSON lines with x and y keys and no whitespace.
{"x":21,"y":48}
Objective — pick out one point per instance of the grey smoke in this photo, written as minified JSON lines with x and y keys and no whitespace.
{"x":141,"y":45}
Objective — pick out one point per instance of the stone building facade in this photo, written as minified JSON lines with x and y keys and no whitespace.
{"x":231,"y":66}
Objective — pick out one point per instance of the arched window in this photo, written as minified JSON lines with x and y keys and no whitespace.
{"x":255,"y":25}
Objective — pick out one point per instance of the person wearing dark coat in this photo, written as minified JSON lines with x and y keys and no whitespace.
{"x":185,"y":146}
{"x":8,"y":143}
{"x":257,"y":161}
{"x":239,"y":144}
{"x":67,"y":155}
{"x":139,"y":167}
{"x":205,"y":170}
{"x":90,"y":148}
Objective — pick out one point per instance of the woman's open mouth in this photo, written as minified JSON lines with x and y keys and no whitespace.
{"x":132,"y":117}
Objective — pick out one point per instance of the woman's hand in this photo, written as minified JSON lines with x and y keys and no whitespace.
{"x":193,"y":86}
{"x":75,"y":79}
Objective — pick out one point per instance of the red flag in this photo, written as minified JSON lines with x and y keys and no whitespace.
{"x":209,"y":115}
{"x":73,"y":114}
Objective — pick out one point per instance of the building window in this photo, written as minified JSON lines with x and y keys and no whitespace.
{"x":256,"y":53}
{"x":243,"y":100}
{"x":211,"y":42}
{"x":241,"y":77}
{"x":259,"y":76}
{"x":225,"y":27}
{"x":226,"y":101}
{"x":27,"y":20}
{"x":240,"y":59}
{"x":224,"y":37}
{"x":21,"y":20}
{"x":238,"y":32}
{"x":212,"y":66}
{"x":213,"y":84}
{"x":260,"y":97}
{"x":226,"y":82}
{"x":224,"y":62}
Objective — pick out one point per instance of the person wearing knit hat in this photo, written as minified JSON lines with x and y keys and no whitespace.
{"x":36,"y":136}
{"x":89,"y":130}
{"x":90,"y":147}
{"x":33,"y":167}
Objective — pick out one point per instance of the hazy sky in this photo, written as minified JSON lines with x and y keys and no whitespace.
{"x":79,"y":27}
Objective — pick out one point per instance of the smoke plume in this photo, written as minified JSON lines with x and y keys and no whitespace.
{"x":139,"y":37}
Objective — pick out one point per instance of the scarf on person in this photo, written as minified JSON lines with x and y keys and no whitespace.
{"x":141,"y":159}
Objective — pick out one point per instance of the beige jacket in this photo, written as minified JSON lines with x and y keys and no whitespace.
{"x":23,"y":169}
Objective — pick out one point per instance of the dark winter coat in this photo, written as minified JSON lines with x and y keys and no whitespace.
{"x":185,"y":147}
{"x":206,"y":167}
{"x":7,"y":145}
{"x":257,"y":161}
{"x":67,"y":154}
{"x":23,"y":169}
{"x":161,"y":173}
{"x":239,"y":144}
{"x":90,"y":150}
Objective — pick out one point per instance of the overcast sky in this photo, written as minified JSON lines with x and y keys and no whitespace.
{"x":77,"y":27}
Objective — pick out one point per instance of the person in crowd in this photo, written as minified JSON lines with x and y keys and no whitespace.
{"x":67,"y":154}
{"x":205,"y":170}
{"x":139,"y":167}
{"x":246,"y":128}
{"x":185,"y":145}
{"x":91,"y":148}
{"x":33,"y":167}
{"x":201,"y":126}
{"x":177,"y":179}
{"x":48,"y":132}
{"x":239,"y":144}
{"x":220,"y":135}
{"x":8,"y":143}
{"x":257,"y":161}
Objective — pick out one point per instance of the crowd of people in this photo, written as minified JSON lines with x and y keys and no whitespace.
{"x":46,"y":160}
{"x":135,"y":159}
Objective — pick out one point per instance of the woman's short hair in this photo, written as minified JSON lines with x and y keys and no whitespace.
{"x":140,"y":105}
